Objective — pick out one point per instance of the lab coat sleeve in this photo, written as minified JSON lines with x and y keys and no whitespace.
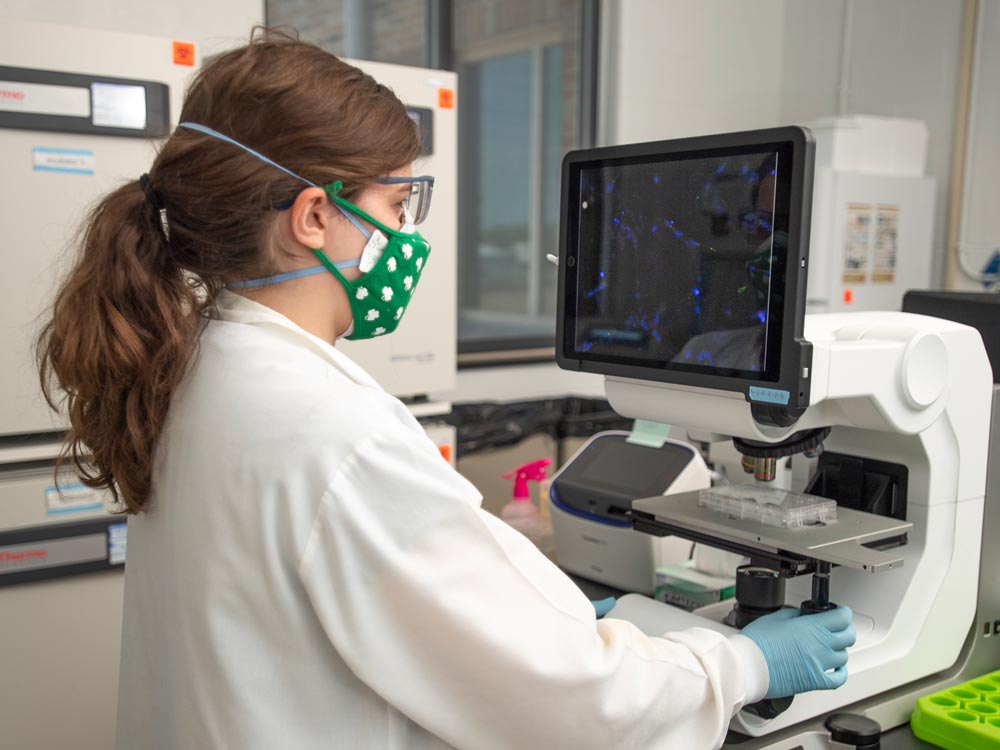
{"x":460,"y":623}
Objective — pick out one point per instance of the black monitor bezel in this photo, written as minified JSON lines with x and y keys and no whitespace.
{"x":784,"y":385}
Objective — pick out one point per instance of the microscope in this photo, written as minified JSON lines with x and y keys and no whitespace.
{"x":682,"y":280}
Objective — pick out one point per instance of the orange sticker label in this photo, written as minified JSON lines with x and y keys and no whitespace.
{"x":183,"y":53}
{"x":446,"y":98}
{"x":848,"y":296}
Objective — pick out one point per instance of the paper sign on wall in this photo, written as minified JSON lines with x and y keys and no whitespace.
{"x":857,"y":240}
{"x":885,"y":252}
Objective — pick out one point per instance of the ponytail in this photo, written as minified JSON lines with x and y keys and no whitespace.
{"x":123,"y":329}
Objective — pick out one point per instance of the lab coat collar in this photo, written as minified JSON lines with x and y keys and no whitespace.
{"x":235,"y":308}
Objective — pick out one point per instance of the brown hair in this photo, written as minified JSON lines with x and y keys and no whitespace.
{"x":125,"y":324}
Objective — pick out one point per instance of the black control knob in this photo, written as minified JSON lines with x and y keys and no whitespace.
{"x":853,"y":729}
{"x":759,"y":591}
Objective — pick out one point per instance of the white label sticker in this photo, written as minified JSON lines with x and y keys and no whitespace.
{"x":44,"y":99}
{"x":73,"y":498}
{"x":72,"y":160}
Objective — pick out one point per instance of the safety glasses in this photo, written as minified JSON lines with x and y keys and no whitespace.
{"x":418,"y":203}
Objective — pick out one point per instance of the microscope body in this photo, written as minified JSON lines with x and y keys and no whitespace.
{"x":900,"y":390}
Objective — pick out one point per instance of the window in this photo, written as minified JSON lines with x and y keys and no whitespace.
{"x":519,"y":67}
{"x":392,"y":31}
{"x":527,"y":89}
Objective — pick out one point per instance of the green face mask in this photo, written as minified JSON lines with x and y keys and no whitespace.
{"x":391,"y":262}
{"x":391,"y":265}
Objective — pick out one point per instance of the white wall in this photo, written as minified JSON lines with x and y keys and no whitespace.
{"x":674,"y":68}
{"x":214,"y":25}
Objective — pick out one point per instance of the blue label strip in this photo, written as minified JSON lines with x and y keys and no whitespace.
{"x":769,"y":395}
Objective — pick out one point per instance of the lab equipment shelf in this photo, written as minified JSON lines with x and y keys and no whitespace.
{"x":963,"y":717}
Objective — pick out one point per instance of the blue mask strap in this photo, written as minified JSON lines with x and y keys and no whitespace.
{"x":278,"y":278}
{"x":225,"y":138}
{"x":355,"y":221}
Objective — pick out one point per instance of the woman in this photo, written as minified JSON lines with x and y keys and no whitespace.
{"x":304,"y":569}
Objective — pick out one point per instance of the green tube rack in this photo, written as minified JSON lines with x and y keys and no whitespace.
{"x":963,"y":717}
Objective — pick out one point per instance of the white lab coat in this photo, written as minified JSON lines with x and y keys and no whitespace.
{"x":310,"y":573}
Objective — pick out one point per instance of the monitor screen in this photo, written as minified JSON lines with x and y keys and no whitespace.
{"x":678,"y":257}
{"x":675,"y":260}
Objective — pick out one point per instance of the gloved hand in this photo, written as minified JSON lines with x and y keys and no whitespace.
{"x":800,"y":649}
{"x":603,"y":606}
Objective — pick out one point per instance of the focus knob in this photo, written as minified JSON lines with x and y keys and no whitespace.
{"x":852,"y":729}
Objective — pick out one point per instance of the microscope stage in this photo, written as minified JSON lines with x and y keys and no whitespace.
{"x":840,"y":541}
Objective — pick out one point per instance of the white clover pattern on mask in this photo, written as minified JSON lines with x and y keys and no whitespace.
{"x":362,"y":293}
{"x":372,"y":315}
{"x":399,"y":313}
{"x":408,"y":283}
{"x":391,"y":264}
{"x":420,"y":263}
{"x":407,"y":250}
{"x":386,"y":294}
{"x":378,"y":331}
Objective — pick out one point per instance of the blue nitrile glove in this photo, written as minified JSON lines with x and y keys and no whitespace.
{"x":800,"y":649}
{"x":603,"y":606}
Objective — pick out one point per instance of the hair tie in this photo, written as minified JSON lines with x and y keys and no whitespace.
{"x":151,"y":195}
{"x":156,"y":203}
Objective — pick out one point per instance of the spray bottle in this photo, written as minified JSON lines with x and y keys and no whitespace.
{"x":522,"y":514}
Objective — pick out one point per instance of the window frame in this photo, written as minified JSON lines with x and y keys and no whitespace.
{"x":441,"y":54}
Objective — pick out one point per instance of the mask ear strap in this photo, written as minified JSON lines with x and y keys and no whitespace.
{"x":354,"y":220}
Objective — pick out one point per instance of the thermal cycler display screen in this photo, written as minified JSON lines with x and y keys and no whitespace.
{"x":674,"y":261}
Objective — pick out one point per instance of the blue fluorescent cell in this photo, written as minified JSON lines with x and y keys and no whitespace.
{"x":753,"y":368}
{"x":678,"y":233}
{"x":656,"y":335}
{"x":693,"y":243}
{"x":652,"y":228}
{"x":761,"y":316}
{"x":609,"y":187}
{"x":670,"y":223}
{"x":601,"y":274}
{"x":595,"y":290}
{"x":697,"y":309}
{"x":771,"y":172}
{"x":696,"y":291}
{"x":656,"y":179}
{"x":617,"y":220}
{"x":721,"y":169}
{"x":586,"y":346}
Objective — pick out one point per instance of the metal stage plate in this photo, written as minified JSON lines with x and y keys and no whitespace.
{"x":839,"y":542}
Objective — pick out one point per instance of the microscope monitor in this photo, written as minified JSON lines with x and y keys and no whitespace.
{"x":684,"y":262}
